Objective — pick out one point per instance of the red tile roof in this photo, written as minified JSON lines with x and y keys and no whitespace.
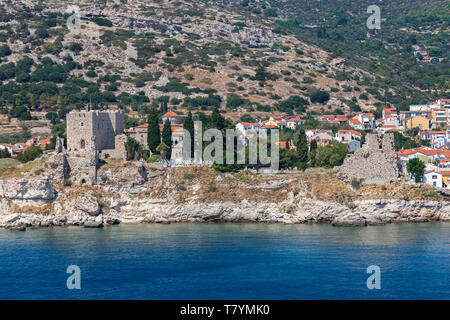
{"x":170,"y":114}
{"x":432,"y":132}
{"x":350,"y":131}
{"x":355,"y":121}
{"x":250,"y":123}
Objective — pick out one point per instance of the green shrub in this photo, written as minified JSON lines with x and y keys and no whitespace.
{"x":320,"y":96}
{"x":102,"y":22}
{"x":30,"y":154}
{"x":152,"y":159}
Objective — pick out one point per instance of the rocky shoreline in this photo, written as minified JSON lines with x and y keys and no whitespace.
{"x":139,"y":193}
{"x":87,"y":212}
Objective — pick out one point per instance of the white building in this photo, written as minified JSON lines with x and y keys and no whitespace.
{"x":419,"y":107}
{"x":363,"y":121}
{"x":433,"y":178}
{"x":248,"y":128}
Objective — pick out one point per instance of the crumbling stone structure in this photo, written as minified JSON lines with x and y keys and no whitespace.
{"x":61,"y":167}
{"x":375,"y":162}
{"x":92,"y":135}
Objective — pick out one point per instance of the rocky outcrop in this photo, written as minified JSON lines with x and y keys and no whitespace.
{"x":34,"y":203}
{"x":96,"y":223}
{"x":362,"y":213}
{"x":376,"y":212}
{"x":27,"y":189}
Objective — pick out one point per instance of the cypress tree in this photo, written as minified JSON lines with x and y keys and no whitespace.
{"x":217,"y":119}
{"x":153,"y":134}
{"x":313,"y":146}
{"x":189,"y":126}
{"x":167,"y":137}
{"x":302,"y":148}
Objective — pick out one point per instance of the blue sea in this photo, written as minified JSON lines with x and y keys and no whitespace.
{"x":227,"y":261}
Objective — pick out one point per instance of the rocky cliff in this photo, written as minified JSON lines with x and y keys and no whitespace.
{"x":143,"y":193}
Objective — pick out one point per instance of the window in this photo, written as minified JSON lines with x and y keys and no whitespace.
{"x":81,"y":124}
{"x":434,"y":177}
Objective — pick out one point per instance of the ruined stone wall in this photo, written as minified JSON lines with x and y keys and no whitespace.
{"x":119,"y":152}
{"x":375,"y":162}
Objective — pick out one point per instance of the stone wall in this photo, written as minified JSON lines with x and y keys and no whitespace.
{"x":119,"y":152}
{"x":375,"y":162}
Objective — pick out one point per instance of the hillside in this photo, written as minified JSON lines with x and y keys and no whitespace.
{"x":179,"y":55}
{"x":339,"y":27}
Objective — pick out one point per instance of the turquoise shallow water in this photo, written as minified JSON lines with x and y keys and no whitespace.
{"x":227,"y":261}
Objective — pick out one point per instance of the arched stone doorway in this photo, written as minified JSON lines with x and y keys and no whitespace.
{"x":82,"y":144}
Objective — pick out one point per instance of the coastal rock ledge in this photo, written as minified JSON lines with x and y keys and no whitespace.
{"x":362,"y":213}
{"x":201,"y":195}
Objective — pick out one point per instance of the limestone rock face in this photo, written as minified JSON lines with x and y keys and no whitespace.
{"x":212,"y":212}
{"x":88,"y":203}
{"x":349,"y":220}
{"x":97,"y":222}
{"x":27,"y":189}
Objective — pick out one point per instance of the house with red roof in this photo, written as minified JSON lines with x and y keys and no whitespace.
{"x":363,"y":121}
{"x":247,"y":128}
{"x":7,"y":146}
{"x":172,"y":117}
{"x":387,"y":127}
{"x":433,"y":178}
{"x":333,"y":118}
{"x":431,"y":135}
{"x":346,"y":136}
{"x":293,"y":122}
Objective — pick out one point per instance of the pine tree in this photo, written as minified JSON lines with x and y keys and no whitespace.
{"x":189,"y":126}
{"x":167,"y":137}
{"x":153,"y":134}
{"x":302,"y":149}
{"x":217,"y":119}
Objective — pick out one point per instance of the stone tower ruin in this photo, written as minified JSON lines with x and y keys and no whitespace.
{"x":92,"y":135}
{"x":107,"y":128}
{"x":375,"y":162}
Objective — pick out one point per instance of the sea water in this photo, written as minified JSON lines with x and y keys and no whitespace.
{"x":227,"y":261}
